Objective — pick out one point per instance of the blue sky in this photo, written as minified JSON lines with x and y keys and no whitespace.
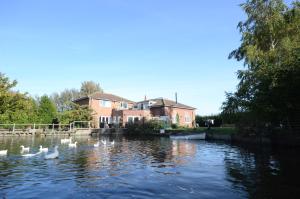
{"x":132,"y":48}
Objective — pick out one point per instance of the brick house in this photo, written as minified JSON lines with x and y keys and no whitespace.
{"x":168,"y":110}
{"x":103,"y":106}
{"x":114,"y":110}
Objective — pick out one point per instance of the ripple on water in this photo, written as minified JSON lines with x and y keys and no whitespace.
{"x":145,"y":168}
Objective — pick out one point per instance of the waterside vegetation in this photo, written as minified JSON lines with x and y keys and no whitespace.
{"x":20,"y":108}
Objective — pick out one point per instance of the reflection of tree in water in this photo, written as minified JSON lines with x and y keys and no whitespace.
{"x":262,"y":174}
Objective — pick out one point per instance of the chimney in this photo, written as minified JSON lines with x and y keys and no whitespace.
{"x":145,"y":97}
{"x":176,"y":97}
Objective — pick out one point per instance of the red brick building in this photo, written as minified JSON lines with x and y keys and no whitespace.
{"x":114,"y":110}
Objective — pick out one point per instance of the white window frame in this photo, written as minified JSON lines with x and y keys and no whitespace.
{"x":133,"y":117}
{"x":105,"y":103}
{"x":122,"y":105}
{"x":187,"y":118}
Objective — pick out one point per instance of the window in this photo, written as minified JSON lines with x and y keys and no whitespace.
{"x":105,"y":103}
{"x":132,"y":119}
{"x":174,"y":120}
{"x":187,"y":118}
{"x":136,"y":119}
{"x":124,"y":105}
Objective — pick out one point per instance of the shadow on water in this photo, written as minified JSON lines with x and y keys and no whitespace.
{"x":147,"y":167}
{"x":264,"y":172}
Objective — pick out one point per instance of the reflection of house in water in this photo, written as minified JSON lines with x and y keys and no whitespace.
{"x":183,"y":148}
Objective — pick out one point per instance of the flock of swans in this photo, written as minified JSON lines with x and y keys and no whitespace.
{"x":25,"y":150}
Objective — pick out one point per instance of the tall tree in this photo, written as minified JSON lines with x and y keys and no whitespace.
{"x":90,"y":87}
{"x":47,"y":110}
{"x":63,"y":100}
{"x":15,"y":107}
{"x":270,"y":50}
{"x":76,"y":113}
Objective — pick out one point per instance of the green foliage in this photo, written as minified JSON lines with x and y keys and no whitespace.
{"x":146,"y":127}
{"x":270,"y":50}
{"x":174,"y":126}
{"x":90,"y":87}
{"x":19,"y":108}
{"x":76,"y":113}
{"x":15,"y":107}
{"x":46,"y":110}
{"x":177,"y":119}
{"x":63,"y":100}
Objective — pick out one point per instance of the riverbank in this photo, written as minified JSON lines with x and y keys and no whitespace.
{"x":231,"y":134}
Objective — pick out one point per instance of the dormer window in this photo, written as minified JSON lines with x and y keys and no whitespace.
{"x":124,"y":105}
{"x":105,"y":103}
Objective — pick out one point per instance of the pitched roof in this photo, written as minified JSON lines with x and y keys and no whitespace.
{"x":166,"y":102}
{"x":105,"y":96}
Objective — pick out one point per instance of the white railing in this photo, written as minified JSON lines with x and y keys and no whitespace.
{"x":35,"y":126}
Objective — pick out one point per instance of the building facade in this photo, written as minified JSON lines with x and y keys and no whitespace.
{"x":111,"y":110}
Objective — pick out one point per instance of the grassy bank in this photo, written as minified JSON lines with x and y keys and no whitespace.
{"x":222,"y":130}
{"x":216,"y":130}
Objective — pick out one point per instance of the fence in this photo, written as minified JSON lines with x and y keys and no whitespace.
{"x":45,"y":127}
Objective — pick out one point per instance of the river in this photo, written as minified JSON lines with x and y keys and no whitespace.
{"x":147,"y":168}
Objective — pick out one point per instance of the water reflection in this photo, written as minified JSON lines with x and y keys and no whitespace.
{"x":147,"y":168}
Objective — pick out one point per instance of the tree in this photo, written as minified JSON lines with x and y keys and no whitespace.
{"x":90,"y":87}
{"x":46,"y":110}
{"x":63,"y":100}
{"x":270,"y":50}
{"x":76,"y":113}
{"x":15,"y":107}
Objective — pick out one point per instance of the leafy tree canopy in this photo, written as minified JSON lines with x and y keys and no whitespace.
{"x":270,"y":50}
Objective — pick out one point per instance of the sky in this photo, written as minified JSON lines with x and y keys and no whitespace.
{"x":132,"y":48}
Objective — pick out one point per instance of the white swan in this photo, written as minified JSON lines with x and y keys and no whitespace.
{"x":3,"y":152}
{"x":103,"y":142}
{"x":53,"y":155}
{"x":112,"y":143}
{"x":97,"y":144}
{"x":45,"y":150}
{"x":73,"y":145}
{"x":24,"y":149}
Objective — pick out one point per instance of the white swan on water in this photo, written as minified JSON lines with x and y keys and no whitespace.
{"x":112,"y":143}
{"x":24,"y":149}
{"x":103,"y":142}
{"x":97,"y":144}
{"x":45,"y":150}
{"x":53,"y":155}
{"x":73,"y":145}
{"x":3,"y":152}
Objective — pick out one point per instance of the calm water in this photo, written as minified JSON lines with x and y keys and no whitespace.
{"x":147,"y":168}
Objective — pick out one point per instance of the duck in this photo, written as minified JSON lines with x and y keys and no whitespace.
{"x":45,"y":150}
{"x":97,"y":144}
{"x":24,"y":149}
{"x":73,"y":145}
{"x":53,"y":155}
{"x":103,"y":142}
{"x":112,"y":143}
{"x":3,"y":152}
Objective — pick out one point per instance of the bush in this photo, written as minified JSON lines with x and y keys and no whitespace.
{"x":147,"y":127}
{"x":174,"y":126}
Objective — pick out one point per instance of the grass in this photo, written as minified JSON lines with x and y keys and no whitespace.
{"x":223,"y":130}
{"x":220,"y":130}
